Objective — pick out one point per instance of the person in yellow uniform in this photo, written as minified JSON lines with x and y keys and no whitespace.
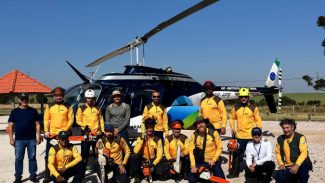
{"x":91,"y":121}
{"x":65,"y":161}
{"x":213,"y":108}
{"x":205,"y":149}
{"x":158,"y":111}
{"x":172,"y":143}
{"x":147,"y":151}
{"x":292,"y":154}
{"x":244,"y":117}
{"x":119,"y":153}
{"x":58,"y":116}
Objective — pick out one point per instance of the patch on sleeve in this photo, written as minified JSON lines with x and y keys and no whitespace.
{"x":303,"y":142}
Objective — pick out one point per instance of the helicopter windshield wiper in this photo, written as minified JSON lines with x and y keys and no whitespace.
{"x":139,"y":41}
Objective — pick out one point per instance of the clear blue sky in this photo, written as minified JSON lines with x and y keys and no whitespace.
{"x":228,"y":41}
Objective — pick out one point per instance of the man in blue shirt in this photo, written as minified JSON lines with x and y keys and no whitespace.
{"x":24,"y":124}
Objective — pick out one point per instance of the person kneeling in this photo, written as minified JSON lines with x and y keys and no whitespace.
{"x":114,"y":150}
{"x":205,"y":149}
{"x":147,"y":154}
{"x":258,"y":158}
{"x":65,"y":161}
{"x":176,"y":152}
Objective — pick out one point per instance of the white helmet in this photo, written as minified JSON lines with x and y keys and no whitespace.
{"x":90,"y":93}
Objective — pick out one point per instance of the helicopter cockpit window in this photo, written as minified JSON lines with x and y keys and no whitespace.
{"x":75,"y":95}
{"x":138,"y":101}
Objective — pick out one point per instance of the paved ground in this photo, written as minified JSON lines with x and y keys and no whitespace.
{"x":314,"y":132}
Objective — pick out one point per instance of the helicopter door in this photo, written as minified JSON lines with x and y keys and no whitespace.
{"x":139,"y":99}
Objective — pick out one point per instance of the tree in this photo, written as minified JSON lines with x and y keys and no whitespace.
{"x":317,"y":85}
{"x":321,"y":23}
{"x":287,"y":101}
{"x":41,"y":98}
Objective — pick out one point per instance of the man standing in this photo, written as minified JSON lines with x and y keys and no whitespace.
{"x":213,"y":108}
{"x":117,"y":156}
{"x":58,"y":116}
{"x":292,"y":154}
{"x":259,"y":158}
{"x":247,"y":117}
{"x":157,"y":111}
{"x":205,"y":150}
{"x":174,"y":142}
{"x":118,"y":114}
{"x":65,"y":161}
{"x":148,"y":153}
{"x":90,"y":119}
{"x":24,"y":123}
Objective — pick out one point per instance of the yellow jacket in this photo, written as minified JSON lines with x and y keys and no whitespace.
{"x":117,"y":148}
{"x":213,"y":147}
{"x":155,"y":149}
{"x":214,"y":109}
{"x":90,"y":116}
{"x":160,"y":113}
{"x":58,"y":117}
{"x":247,"y":118}
{"x":62,"y":157}
{"x":302,"y":148}
{"x":171,"y":143}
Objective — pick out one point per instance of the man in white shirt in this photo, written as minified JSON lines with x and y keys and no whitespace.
{"x":259,"y":158}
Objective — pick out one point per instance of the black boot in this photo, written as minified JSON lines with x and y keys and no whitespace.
{"x":47,"y":177}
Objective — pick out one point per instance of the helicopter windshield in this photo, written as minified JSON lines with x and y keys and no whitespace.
{"x":75,"y":94}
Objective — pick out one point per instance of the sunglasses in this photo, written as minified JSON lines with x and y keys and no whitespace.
{"x":257,"y":134}
{"x":116,"y":96}
{"x":155,"y":96}
{"x":243,"y":97}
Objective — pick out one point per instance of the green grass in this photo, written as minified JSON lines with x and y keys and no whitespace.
{"x":304,"y":97}
{"x":298,"y":97}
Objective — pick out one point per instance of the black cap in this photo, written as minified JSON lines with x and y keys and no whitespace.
{"x":200,"y":119}
{"x":23,"y":96}
{"x":256,"y":131}
{"x":150,"y":122}
{"x":63,"y":135}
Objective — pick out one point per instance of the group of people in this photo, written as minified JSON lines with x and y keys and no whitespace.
{"x":156,"y":154}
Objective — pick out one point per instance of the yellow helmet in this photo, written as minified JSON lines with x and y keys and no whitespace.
{"x":244,"y":92}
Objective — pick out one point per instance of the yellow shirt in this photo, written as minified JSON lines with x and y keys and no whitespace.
{"x":171,"y":147}
{"x":142,"y":149}
{"x":286,"y":148}
{"x":247,"y":118}
{"x":90,"y":116}
{"x":215,"y":112}
{"x":58,"y":117}
{"x":117,"y":150}
{"x":64,"y":157}
{"x":160,"y":113}
{"x":213,"y":147}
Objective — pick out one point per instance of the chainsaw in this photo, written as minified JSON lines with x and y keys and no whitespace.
{"x":232,"y":147}
{"x":204,"y":173}
{"x":147,"y":164}
{"x":103,"y":160}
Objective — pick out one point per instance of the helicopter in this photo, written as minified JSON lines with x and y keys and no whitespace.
{"x":179,"y":92}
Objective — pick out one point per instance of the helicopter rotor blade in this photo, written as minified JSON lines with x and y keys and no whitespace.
{"x":139,"y":41}
{"x":178,"y":17}
{"x":109,"y":55}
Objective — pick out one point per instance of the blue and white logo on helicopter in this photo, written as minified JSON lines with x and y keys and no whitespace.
{"x":272,"y":76}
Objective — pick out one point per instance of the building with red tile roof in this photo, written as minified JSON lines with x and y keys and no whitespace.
{"x":18,"y":82}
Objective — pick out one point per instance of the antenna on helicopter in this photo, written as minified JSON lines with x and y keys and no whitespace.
{"x":141,"y":40}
